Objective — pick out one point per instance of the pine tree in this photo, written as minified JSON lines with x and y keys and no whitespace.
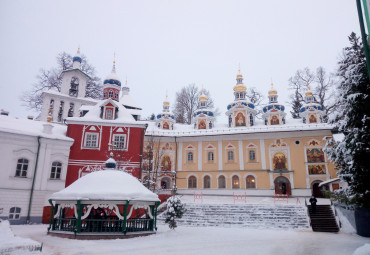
{"x":296,"y":105}
{"x":352,"y":155}
{"x":175,"y":209}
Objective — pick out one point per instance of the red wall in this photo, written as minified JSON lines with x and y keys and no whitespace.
{"x":80,"y":157}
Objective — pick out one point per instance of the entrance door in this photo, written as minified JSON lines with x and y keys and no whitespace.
{"x":282,"y":186}
{"x":316,"y":190}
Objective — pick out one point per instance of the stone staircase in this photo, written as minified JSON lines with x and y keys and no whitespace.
{"x":261,"y":216}
{"x":323,"y":220}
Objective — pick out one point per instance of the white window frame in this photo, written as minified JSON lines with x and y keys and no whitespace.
{"x":254,"y":183}
{"x":230,"y":155}
{"x":22,"y":170}
{"x":110,"y":93}
{"x":109,"y":114}
{"x":218,"y":182}
{"x":114,"y":142}
{"x":254,"y":154}
{"x":211,"y":156}
{"x":190,"y":157}
{"x":57,"y":167}
{"x":86,"y":141}
{"x":16,"y":214}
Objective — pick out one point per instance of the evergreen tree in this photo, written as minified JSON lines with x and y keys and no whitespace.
{"x":175,"y":209}
{"x":352,"y":155}
{"x":152,"y":117}
{"x":296,"y":105}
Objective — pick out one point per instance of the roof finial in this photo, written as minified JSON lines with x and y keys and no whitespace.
{"x":272,"y":84}
{"x":166,"y":94}
{"x":239,"y":69}
{"x":126,"y":82}
{"x":78,"y":51}
{"x":114,"y":63}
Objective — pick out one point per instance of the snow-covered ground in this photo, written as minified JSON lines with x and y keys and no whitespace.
{"x":198,"y":240}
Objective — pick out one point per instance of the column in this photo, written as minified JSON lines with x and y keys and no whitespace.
{"x":263,"y":156}
{"x":241,"y":155}
{"x":200,"y":152}
{"x":220,"y":149}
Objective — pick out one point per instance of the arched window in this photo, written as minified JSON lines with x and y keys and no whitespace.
{"x":252,"y":155}
{"x":73,"y":91}
{"x":109,"y":114}
{"x":235,"y":182}
{"x":116,"y":95}
{"x":206,"y":182}
{"x":192,"y":182}
{"x":71,"y":109}
{"x":251,"y":119}
{"x":110,"y":93}
{"x":230,"y":156}
{"x":190,"y":156}
{"x":221,"y":182}
{"x":56,"y":169}
{"x":14,"y":213}
{"x":22,"y":168}
{"x":210,"y":156}
{"x":105,"y":94}
{"x":251,"y":182}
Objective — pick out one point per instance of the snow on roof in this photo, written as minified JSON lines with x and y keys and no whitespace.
{"x":127,"y":100}
{"x":106,"y":185}
{"x":338,"y":137}
{"x":223,"y":129}
{"x":57,"y":93}
{"x":93,"y":115}
{"x":329,"y":181}
{"x":32,"y":128}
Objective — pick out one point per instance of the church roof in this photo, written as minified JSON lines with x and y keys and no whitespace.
{"x":127,"y":100}
{"x":106,"y":185}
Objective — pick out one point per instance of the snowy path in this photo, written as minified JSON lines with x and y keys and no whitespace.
{"x":189,"y":240}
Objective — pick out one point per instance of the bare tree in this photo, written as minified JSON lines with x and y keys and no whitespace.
{"x":49,"y":79}
{"x":187,"y":100}
{"x":254,"y":96}
{"x":321,"y":84}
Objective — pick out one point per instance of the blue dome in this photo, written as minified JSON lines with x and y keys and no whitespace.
{"x":112,"y":81}
{"x":77,"y":58}
{"x":162,"y":115}
{"x":250,"y":105}
{"x":209,"y":113}
{"x":273,"y":106}
{"x":313,"y":106}
{"x":110,"y":163}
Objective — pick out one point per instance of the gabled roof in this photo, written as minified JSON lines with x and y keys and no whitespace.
{"x":70,"y":70}
{"x":127,"y":100}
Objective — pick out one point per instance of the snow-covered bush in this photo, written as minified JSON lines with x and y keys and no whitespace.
{"x":175,"y":209}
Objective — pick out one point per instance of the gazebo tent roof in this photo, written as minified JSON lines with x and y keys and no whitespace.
{"x":107,"y":185}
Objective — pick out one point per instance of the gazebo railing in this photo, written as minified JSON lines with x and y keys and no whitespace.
{"x":108,"y":225}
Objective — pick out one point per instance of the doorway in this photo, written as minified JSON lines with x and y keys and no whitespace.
{"x":282,"y":186}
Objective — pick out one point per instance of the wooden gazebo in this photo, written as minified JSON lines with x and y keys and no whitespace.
{"x":104,"y":204}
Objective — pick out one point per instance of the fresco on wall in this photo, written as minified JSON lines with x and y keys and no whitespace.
{"x":202,"y":125}
{"x":166,"y":126}
{"x":315,"y":155}
{"x":166,"y":163}
{"x":312,"y":119}
{"x":316,"y":169}
{"x":240,"y":120}
{"x":279,"y":161}
{"x":274,"y":120}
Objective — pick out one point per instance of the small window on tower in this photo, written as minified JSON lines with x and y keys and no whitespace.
{"x":116,"y":95}
{"x":71,"y":109}
{"x":110,"y":93}
{"x":109,"y":114}
{"x":73,"y":91}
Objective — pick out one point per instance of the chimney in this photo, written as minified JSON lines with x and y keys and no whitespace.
{"x":30,"y":117}
{"x":4,"y":112}
{"x":48,"y":129}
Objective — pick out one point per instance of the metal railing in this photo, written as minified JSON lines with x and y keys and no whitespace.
{"x":108,"y":225}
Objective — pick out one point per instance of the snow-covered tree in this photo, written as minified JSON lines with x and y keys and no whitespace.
{"x":49,"y":79}
{"x":352,"y":155}
{"x":175,"y":209}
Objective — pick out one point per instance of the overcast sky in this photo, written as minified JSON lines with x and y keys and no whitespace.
{"x":165,"y":45}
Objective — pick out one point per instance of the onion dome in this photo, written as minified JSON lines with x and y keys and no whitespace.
{"x":272,"y":91}
{"x":113,"y":78}
{"x":77,"y":60}
{"x":110,"y":163}
{"x":202,"y":96}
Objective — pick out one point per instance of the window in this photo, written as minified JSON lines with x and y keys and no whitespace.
{"x":221,"y":182}
{"x":190,"y":156}
{"x":105,"y":94}
{"x":73,"y":91}
{"x":116,"y":95}
{"x":60,"y":113}
{"x":22,"y":167}
{"x":110,"y":93}
{"x":251,"y":182}
{"x":71,"y":109}
{"x":235,"y":182}
{"x":207,"y":182}
{"x":109,"y":114}
{"x":56,"y":169}
{"x":252,"y":155}
{"x":230,"y":156}
{"x":192,"y":182}
{"x":210,"y":156}
{"x":14,"y":213}
{"x":119,"y":142}
{"x":91,"y":140}
{"x":251,"y":119}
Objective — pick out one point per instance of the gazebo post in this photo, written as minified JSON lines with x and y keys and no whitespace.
{"x":125,"y":207}
{"x":51,"y":215}
{"x":79,"y":213}
{"x":155,"y":215}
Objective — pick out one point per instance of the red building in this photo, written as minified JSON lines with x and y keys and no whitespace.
{"x":105,"y":128}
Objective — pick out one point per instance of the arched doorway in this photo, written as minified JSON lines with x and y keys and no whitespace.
{"x":316,"y":190}
{"x":165,"y":183}
{"x":282,"y":186}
